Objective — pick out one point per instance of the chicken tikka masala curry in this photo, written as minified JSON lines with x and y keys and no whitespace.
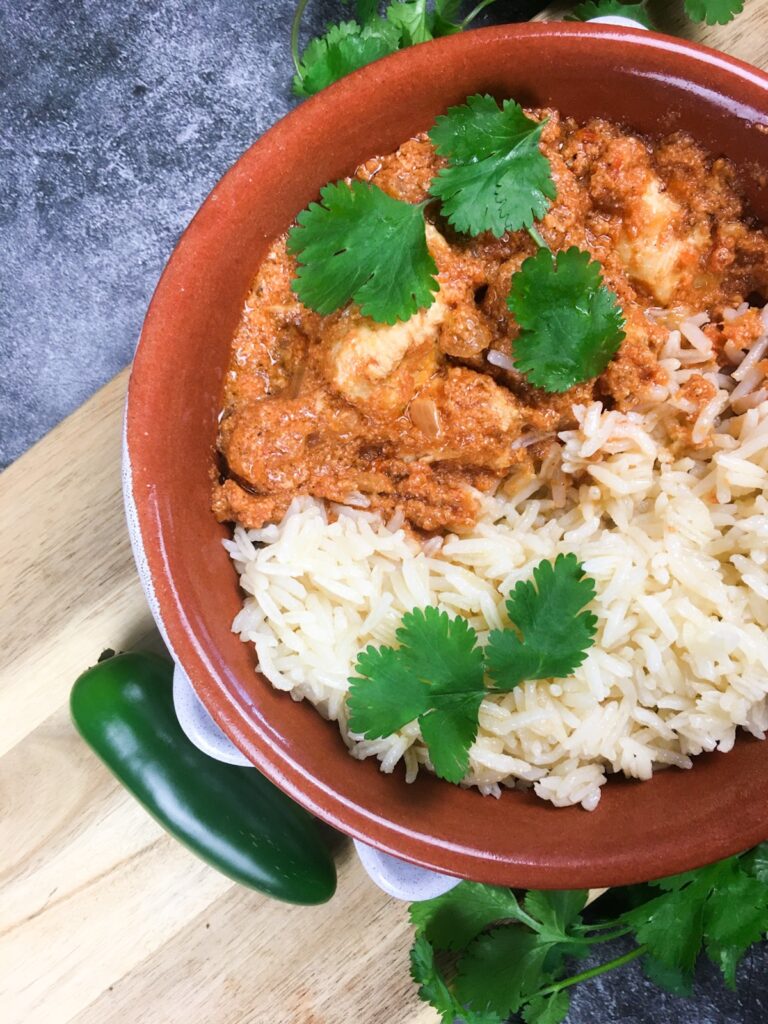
{"x":424,"y":414}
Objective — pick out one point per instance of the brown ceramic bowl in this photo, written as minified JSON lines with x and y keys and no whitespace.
{"x":652,"y":83}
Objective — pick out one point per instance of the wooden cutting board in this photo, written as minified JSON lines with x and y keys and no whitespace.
{"x":104,"y":918}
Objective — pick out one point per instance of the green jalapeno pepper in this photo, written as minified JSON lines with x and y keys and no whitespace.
{"x":232,"y":817}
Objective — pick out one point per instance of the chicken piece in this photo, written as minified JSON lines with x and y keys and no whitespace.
{"x":264,"y":442}
{"x":658,"y":243}
{"x":466,"y":418}
{"x":377,"y":367}
{"x":733,"y":256}
{"x":659,"y":250}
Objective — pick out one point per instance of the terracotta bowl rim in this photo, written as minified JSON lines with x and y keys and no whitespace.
{"x":188,"y":649}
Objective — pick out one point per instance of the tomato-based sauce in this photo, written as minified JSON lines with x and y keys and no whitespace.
{"x":422,"y":415}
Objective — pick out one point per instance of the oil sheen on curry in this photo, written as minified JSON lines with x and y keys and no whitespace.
{"x":424,"y":415}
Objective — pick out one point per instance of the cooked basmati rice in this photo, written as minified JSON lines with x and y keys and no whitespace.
{"x":676,"y":544}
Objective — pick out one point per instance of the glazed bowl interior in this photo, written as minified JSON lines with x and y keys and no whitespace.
{"x":650,"y":83}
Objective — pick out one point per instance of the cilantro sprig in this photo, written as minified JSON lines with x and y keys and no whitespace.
{"x":436,"y":674}
{"x":351,"y":44}
{"x":555,"y":633}
{"x":571,"y":323}
{"x":497,"y":179}
{"x":344,"y":48}
{"x":482,"y":953}
{"x":359,"y":243}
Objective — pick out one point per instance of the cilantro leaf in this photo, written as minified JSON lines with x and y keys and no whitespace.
{"x":502,"y":969}
{"x":350,"y":45}
{"x":713,"y":12}
{"x":571,"y":323}
{"x":441,"y":649}
{"x":555,"y":910}
{"x":435,"y":675}
{"x":727,"y":958}
{"x":444,"y":651}
{"x":556,"y":633}
{"x":359,"y":243}
{"x":672,"y":927}
{"x":344,"y":48}
{"x":385,"y":695}
{"x":735,"y":916}
{"x":444,"y":18}
{"x":722,"y":907}
{"x":497,"y":179}
{"x":411,"y":19}
{"x":366,"y":11}
{"x":452,"y":920}
{"x":671,"y":979}
{"x":433,"y":988}
{"x":449,"y":730}
{"x":755,"y":862}
{"x":603,"y":8}
{"x":548,"y":1009}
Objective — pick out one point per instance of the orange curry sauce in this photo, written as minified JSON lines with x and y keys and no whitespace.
{"x":415,"y":416}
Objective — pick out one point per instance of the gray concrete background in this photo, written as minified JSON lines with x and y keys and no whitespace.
{"x":116,"y":119}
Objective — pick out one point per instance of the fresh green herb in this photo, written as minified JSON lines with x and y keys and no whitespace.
{"x":556,"y":633}
{"x":412,"y":20}
{"x":722,"y":908}
{"x":437,"y":673}
{"x":570,"y":323}
{"x":497,"y":179}
{"x":359,"y":243}
{"x":445,"y":17}
{"x":433,"y":989}
{"x":713,"y":12}
{"x":604,"y":8}
{"x":352,"y":44}
{"x":344,"y":48}
{"x":435,"y":676}
{"x":480,"y":954}
{"x":366,"y":10}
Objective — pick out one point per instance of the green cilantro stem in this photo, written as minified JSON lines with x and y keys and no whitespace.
{"x":720,"y":910}
{"x":295,"y":29}
{"x":594,"y":972}
{"x":617,"y":934}
{"x":535,"y":234}
{"x":475,"y":11}
{"x":603,"y":925}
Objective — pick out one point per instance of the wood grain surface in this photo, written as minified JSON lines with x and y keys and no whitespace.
{"x":104,"y":918}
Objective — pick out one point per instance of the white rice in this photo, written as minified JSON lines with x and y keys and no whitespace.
{"x":676,"y":544}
